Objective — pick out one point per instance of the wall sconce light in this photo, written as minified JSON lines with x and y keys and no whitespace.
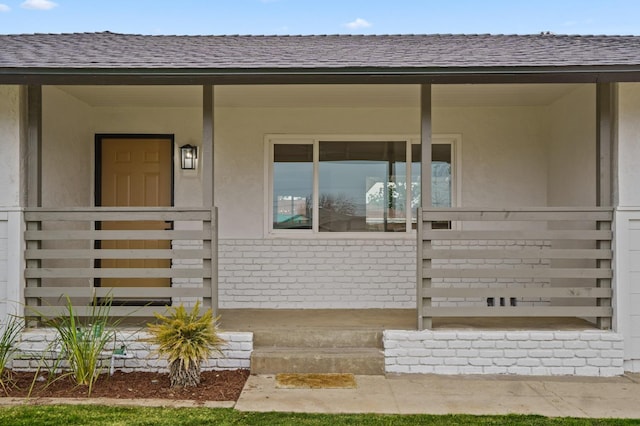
{"x":188,"y":157}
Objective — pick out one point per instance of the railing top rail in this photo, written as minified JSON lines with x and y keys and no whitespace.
{"x":115,"y":209}
{"x":518,"y":209}
{"x":519,"y":214}
{"x":120,"y":214}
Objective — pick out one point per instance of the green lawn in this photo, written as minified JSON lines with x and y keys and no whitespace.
{"x":68,"y":415}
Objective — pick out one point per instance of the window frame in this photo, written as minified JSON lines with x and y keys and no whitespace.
{"x":454,"y":140}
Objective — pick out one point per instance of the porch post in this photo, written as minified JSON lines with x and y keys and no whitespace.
{"x":33,"y":173}
{"x":208,"y":191}
{"x":604,"y":179}
{"x":34,"y":146}
{"x":425,"y":202}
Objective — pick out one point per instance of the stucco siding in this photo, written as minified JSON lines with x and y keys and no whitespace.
{"x":571,"y":149}
{"x":67,"y":150}
{"x":503,"y":150}
{"x":184,"y":123}
{"x":628,"y":128}
{"x":10,"y":134}
{"x":503,"y":153}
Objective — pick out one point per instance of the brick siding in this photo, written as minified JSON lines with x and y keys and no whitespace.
{"x":579,"y":353}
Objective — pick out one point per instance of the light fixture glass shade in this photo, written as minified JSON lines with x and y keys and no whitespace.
{"x":188,"y":157}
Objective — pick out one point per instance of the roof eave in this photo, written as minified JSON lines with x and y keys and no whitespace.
{"x":408,"y":75}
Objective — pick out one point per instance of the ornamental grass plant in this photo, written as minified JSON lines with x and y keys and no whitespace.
{"x":186,"y":338}
{"x":9,"y":332}
{"x":82,"y":340}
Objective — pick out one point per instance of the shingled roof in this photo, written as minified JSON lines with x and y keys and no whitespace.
{"x":104,"y":52}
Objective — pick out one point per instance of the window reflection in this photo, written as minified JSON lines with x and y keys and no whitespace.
{"x":362,"y":186}
{"x":292,"y":186}
{"x":440,"y":180}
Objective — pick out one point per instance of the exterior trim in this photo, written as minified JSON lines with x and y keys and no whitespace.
{"x":186,"y":76}
{"x":452,"y":139}
{"x":98,"y":158}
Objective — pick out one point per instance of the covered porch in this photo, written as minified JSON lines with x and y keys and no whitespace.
{"x":510,"y":257}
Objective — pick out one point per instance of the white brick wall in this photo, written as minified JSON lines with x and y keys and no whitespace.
{"x":4,"y":253}
{"x":314,"y":273}
{"x":496,"y":283}
{"x":579,"y":353}
{"x":332,"y":273}
{"x":4,"y":248}
{"x":34,"y":343}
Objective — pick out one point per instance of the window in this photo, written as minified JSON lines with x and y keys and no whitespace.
{"x":292,"y":186}
{"x":359,"y":186}
{"x":365,"y":186}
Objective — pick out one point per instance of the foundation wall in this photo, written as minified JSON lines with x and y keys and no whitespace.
{"x":555,"y":353}
{"x":37,"y":349}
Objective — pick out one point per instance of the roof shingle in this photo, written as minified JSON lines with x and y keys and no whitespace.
{"x":123,"y":51}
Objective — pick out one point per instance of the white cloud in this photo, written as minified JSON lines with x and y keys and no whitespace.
{"x":38,"y":4}
{"x":4,"y":8}
{"x":357,"y":24}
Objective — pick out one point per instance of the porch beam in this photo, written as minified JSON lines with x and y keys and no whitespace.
{"x":424,"y":303}
{"x":604,"y":181}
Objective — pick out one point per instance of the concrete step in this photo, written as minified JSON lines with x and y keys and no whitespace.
{"x":363,"y":361}
{"x":318,"y":338}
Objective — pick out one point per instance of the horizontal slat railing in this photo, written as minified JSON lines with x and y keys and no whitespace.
{"x":104,"y":235}
{"x":62,"y":292}
{"x":115,"y":254}
{"x":525,"y":253}
{"x":65,"y":258}
{"x":537,"y":262}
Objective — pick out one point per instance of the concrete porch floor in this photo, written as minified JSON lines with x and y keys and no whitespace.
{"x":381,"y":319}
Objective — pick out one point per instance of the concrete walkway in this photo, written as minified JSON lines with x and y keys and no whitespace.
{"x":617,"y":397}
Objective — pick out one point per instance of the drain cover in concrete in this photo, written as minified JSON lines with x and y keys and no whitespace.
{"x":315,"y":381}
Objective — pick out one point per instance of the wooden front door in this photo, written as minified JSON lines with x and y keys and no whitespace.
{"x":135,"y":171}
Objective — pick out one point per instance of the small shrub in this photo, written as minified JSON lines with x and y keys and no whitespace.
{"x":186,"y":340}
{"x":9,"y":333}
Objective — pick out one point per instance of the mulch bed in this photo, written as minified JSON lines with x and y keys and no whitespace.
{"x":214,"y":386}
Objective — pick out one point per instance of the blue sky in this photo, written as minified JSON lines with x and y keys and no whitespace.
{"x":321,"y":16}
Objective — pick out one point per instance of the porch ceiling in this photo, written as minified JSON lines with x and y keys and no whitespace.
{"x":321,"y":95}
